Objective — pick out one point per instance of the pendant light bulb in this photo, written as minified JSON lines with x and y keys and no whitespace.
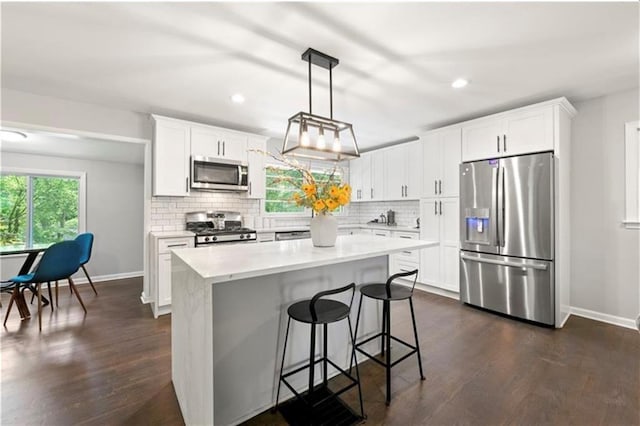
{"x":321,"y":144}
{"x":336,"y":142}
{"x":304,"y":138}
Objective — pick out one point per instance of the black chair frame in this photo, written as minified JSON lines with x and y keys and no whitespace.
{"x":386,"y":336}
{"x":354,"y":381}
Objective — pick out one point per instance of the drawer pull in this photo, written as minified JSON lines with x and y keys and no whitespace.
{"x":177,"y":245}
{"x":407,"y":252}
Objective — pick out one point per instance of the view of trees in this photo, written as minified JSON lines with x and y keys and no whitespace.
{"x":54,"y":204}
{"x":280,"y":189}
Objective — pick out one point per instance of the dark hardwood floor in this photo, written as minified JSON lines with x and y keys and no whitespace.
{"x":113,"y":367}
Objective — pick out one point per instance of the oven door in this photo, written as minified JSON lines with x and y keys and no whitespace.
{"x":217,"y":174}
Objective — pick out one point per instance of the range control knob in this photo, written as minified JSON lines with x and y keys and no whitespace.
{"x":206,"y":239}
{"x":241,"y":237}
{"x":214,"y":238}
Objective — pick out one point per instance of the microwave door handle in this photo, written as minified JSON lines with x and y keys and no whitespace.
{"x":239,"y":173}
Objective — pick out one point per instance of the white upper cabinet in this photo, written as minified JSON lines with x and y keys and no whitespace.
{"x":170,"y":157}
{"x":367,"y":177}
{"x":218,"y":143}
{"x":403,"y":172}
{"x":256,"y":167}
{"x":520,"y":131}
{"x":441,"y":160}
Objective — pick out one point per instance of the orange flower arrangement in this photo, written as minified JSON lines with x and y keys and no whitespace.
{"x":321,"y":194}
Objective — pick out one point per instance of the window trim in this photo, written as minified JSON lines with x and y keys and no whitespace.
{"x":82,"y":190}
{"x":632,"y":175}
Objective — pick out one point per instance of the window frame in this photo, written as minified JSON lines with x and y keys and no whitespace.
{"x":82,"y":191}
{"x":632,"y":175}
{"x":314,"y":166}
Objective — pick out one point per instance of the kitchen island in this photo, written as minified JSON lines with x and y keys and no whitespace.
{"x":229,"y":317}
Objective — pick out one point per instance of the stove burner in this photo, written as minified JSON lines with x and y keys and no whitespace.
{"x":207,"y":234}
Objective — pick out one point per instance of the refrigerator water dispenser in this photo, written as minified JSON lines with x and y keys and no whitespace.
{"x":477,"y":226}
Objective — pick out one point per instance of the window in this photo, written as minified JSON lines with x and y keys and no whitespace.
{"x":40,"y":208}
{"x":632,"y":175}
{"x":280,"y":190}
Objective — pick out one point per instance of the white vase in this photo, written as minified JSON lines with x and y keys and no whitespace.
{"x":324,"y":230}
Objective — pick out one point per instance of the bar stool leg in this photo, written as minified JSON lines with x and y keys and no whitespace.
{"x":326,"y":353}
{"x":355,"y":334}
{"x":353,"y":357}
{"x":284,"y":350}
{"x":312,"y":358}
{"x":388,"y":356}
{"x":415,"y":333}
{"x":384,"y":326}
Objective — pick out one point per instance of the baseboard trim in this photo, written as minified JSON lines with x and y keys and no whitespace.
{"x":609,"y":319}
{"x":82,"y":279}
{"x":439,"y":291}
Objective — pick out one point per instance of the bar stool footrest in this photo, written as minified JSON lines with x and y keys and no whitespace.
{"x":381,"y":334}
{"x":333,"y":411}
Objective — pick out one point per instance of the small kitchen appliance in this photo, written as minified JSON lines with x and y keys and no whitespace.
{"x":218,"y":227}
{"x":391,"y":218}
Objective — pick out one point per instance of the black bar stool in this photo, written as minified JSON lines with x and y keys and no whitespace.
{"x":388,"y":293}
{"x":319,"y":405}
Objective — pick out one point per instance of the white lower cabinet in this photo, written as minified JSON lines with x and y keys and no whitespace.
{"x":439,"y":222}
{"x":160,"y":259}
{"x":405,"y":261}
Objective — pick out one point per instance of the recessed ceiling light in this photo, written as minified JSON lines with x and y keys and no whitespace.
{"x":459,"y":83}
{"x":12,"y":136}
{"x":238,"y":98}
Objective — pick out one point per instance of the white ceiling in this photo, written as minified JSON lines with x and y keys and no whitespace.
{"x":397,"y":61}
{"x":69,"y":146}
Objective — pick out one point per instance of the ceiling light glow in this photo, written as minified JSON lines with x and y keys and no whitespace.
{"x":459,"y":83}
{"x":237,"y":98}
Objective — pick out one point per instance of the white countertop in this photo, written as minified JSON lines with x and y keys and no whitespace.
{"x":234,"y":262}
{"x":171,"y":234}
{"x":341,"y":226}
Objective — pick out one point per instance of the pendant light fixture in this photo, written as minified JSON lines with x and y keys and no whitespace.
{"x":307,"y":132}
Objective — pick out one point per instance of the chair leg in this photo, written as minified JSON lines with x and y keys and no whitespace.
{"x":50,"y":298}
{"x":89,"y":278}
{"x":355,"y":333}
{"x":13,"y":296}
{"x":75,"y":290}
{"x":415,"y":334}
{"x":384,"y":325}
{"x":353,"y":356}
{"x":325,"y":334}
{"x":284,"y":351}
{"x":38,"y":287}
{"x":388,"y":356}
{"x":56,"y":294}
{"x":312,"y":358}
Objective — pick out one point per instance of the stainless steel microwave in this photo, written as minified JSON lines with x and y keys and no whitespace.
{"x":218,"y":174}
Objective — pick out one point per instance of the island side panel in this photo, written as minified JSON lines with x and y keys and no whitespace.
{"x":191,"y":343}
{"x":249,"y":323}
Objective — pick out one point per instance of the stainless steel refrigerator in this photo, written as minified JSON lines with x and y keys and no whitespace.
{"x":507,"y":236}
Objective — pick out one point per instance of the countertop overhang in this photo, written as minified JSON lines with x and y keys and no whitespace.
{"x":224,"y":263}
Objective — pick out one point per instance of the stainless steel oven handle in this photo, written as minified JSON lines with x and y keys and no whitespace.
{"x":539,"y":266}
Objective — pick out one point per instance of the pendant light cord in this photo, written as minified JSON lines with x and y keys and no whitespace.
{"x":310,"y":85}
{"x":330,"y":93}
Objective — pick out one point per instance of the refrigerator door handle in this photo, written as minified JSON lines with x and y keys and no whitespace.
{"x":539,"y":266}
{"x":494,"y":204}
{"x":500,"y":208}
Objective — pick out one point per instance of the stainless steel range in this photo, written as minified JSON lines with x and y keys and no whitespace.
{"x":219,"y":227}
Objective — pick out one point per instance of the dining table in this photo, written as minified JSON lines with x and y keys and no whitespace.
{"x":32,"y":255}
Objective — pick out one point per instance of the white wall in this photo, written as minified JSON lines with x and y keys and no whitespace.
{"x":115,"y":200}
{"x":58,"y":113}
{"x":605,"y":256}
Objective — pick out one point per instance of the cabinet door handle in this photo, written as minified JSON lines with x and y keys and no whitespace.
{"x":435,"y":207}
{"x":504,"y":142}
{"x":372,"y":193}
{"x":498,"y":142}
{"x":187,"y":180}
{"x":249,"y":188}
{"x":224,"y":143}
{"x":440,"y":187}
{"x":218,"y":147}
{"x":435,"y":187}
{"x":440,"y":208}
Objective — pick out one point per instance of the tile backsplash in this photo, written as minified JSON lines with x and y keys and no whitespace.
{"x":168,"y":213}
